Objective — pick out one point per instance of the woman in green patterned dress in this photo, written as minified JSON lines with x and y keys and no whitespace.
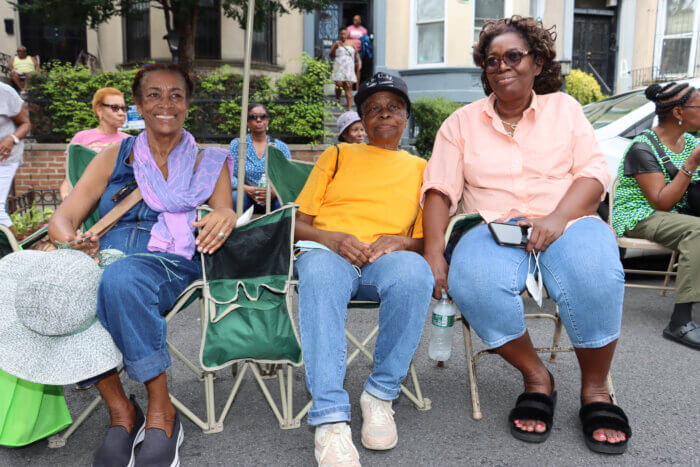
{"x":649,"y":203}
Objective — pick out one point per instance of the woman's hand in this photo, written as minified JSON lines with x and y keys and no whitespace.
{"x":545,"y":230}
{"x":386,"y":244}
{"x":440,"y":268}
{"x":85,"y":242}
{"x":214,"y":229}
{"x":6,"y":145}
{"x":348,"y":246}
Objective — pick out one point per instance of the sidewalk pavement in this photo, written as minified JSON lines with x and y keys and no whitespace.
{"x":657,"y":383}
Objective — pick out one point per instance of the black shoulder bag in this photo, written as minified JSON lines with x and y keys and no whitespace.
{"x":693,"y":191}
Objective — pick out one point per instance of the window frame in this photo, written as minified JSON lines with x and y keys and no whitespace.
{"x":272,"y":43}
{"x":660,"y":36}
{"x":413,"y":47}
{"x":125,"y":36}
{"x":507,"y":12}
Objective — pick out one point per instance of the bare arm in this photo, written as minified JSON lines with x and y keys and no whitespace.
{"x":23,"y":127}
{"x":333,"y":49}
{"x":663,"y":196}
{"x":436,"y":216}
{"x":11,"y":64}
{"x":36,"y":62}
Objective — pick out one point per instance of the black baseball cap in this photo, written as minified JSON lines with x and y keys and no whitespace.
{"x":382,"y":82}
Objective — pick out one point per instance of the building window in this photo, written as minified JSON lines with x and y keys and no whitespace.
{"x":485,"y":10}
{"x":137,"y":33}
{"x":676,"y":38}
{"x":208,"y":40}
{"x":264,"y":42}
{"x":429,"y":34}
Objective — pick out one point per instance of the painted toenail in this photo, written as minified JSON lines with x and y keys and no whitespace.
{"x":600,"y":436}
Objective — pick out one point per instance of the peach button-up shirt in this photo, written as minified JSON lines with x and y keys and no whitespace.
{"x":526,"y":175}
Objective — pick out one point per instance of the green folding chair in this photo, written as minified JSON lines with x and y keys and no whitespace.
{"x":287,"y":179}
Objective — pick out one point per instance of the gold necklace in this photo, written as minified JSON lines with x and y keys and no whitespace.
{"x":511,"y":125}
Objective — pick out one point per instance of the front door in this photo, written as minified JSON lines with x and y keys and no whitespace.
{"x":49,"y":42}
{"x":595,"y":45}
{"x":333,"y":17}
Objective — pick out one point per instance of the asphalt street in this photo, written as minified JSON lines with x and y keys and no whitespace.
{"x":657,"y":384}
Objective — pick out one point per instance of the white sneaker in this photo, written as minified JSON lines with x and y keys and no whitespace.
{"x":378,"y":426}
{"x":334,"y":446}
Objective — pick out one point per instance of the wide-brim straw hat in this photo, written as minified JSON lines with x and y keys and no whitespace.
{"x":49,"y":332}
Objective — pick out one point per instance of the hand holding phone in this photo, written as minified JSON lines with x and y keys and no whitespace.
{"x":510,"y":234}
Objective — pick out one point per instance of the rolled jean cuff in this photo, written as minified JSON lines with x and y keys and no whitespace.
{"x":596,"y":344}
{"x":90,"y":381}
{"x":503,"y":340}
{"x":381,"y":391}
{"x":333,"y":414}
{"x":149,"y":367}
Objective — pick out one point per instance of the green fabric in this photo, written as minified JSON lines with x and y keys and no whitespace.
{"x":287,"y":177}
{"x":33,"y":238}
{"x":630,"y":205}
{"x":30,"y":411}
{"x":79,"y":157}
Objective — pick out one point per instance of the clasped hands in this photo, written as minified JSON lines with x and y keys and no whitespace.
{"x":360,"y":253}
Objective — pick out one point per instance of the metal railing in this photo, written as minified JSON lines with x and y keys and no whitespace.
{"x":41,"y":198}
{"x":653,"y":74}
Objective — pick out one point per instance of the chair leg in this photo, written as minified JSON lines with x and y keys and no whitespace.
{"x":557,"y":334}
{"x":471,"y":371}
{"x":59,"y":440}
{"x":667,"y":277}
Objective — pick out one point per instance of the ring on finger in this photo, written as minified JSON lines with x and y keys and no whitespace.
{"x":222,"y":234}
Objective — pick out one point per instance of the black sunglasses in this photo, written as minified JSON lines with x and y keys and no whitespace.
{"x":116,"y":108}
{"x":258,"y":116}
{"x":511,"y":58}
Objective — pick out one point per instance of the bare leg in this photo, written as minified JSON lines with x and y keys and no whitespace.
{"x":338,"y":90}
{"x":348,"y":93}
{"x":521,"y":354}
{"x":17,"y":80}
{"x":595,"y":366}
{"x":121,"y":410}
{"x":161,"y":413}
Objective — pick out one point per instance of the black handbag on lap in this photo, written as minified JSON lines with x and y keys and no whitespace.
{"x":693,"y":191}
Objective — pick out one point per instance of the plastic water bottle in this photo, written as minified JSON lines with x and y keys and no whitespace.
{"x":263,"y":181}
{"x":443,"y":320}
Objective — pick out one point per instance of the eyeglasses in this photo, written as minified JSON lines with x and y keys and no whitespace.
{"x":116,"y":108}
{"x":258,"y":116}
{"x":374,"y":109}
{"x":511,"y":58}
{"x":691,"y":106}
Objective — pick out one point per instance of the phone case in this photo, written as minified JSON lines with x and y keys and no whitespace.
{"x":523,"y":242}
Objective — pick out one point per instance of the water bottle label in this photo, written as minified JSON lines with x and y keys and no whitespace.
{"x":443,"y":321}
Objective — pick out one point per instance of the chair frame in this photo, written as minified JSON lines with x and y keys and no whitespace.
{"x":473,"y":357}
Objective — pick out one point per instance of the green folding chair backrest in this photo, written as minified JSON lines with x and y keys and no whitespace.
{"x":245,"y":284}
{"x":6,"y":244}
{"x":286,"y":176}
{"x":79,"y":157}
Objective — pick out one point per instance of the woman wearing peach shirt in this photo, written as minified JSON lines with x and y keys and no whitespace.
{"x":527,"y":154}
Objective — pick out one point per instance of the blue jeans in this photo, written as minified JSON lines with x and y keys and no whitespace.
{"x":581,"y":271}
{"x":401,"y":281}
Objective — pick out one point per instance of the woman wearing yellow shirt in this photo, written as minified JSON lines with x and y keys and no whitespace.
{"x":360,"y":223}
{"x":21,"y":66}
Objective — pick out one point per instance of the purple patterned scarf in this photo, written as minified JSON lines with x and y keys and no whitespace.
{"x":177,"y":198}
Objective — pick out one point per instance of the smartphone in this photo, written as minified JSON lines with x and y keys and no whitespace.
{"x":510,"y":234}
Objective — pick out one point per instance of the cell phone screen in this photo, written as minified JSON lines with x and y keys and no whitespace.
{"x":509,"y":234}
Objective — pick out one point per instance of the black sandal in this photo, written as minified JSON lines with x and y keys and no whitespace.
{"x":533,"y":406}
{"x":605,"y":415}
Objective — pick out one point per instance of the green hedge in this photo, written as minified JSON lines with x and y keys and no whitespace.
{"x":60,"y":101}
{"x":583,"y":87}
{"x":428,"y":115}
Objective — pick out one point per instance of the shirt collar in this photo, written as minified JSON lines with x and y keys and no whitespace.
{"x":489,"y":109}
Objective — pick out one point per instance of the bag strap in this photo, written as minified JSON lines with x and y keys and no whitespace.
{"x":108,"y":221}
{"x":337,"y":157}
{"x":671,"y":169}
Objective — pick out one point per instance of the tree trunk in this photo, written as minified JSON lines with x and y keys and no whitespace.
{"x":186,"y":26}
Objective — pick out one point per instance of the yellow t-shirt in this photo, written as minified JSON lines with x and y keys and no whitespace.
{"x":374,"y":192}
{"x":25,"y":65}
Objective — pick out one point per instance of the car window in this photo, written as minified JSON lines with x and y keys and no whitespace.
{"x":607,"y":111}
{"x":639,"y":127}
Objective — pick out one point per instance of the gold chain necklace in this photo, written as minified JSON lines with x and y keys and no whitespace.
{"x":511,"y":125}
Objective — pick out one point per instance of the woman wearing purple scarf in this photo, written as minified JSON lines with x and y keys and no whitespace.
{"x":158,"y":238}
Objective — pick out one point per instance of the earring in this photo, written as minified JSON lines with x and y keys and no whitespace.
{"x":680,"y":122}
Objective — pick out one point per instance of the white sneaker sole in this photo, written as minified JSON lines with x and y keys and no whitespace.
{"x":379,"y":448}
{"x":139,"y":438}
{"x":180,"y":439}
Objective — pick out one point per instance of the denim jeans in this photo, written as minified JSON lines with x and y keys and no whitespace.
{"x":581,"y":271}
{"x":401,"y":281}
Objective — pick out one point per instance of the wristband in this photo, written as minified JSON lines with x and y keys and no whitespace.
{"x":686,"y":171}
{"x":14,"y":138}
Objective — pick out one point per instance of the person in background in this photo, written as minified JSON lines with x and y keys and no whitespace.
{"x":350,"y":128}
{"x":21,"y":67}
{"x":14,"y":126}
{"x":359,"y":227}
{"x":110,"y":110}
{"x":526,"y":154}
{"x":355,"y":32}
{"x":649,"y":203}
{"x":257,"y":141}
{"x":344,"y":55}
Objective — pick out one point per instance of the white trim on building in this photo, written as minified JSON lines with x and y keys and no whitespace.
{"x":660,"y":37}
{"x":413,"y":43}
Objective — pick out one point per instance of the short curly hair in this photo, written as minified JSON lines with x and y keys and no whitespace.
{"x":541,"y":43}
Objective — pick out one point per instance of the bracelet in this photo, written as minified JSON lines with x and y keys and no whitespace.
{"x":686,"y":171}
{"x":14,"y":138}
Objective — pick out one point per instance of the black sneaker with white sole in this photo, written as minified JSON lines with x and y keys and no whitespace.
{"x":158,"y":450}
{"x":117,"y":449}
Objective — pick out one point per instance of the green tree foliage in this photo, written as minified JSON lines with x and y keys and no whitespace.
{"x":428,"y":115}
{"x":583,"y":87}
{"x":180,"y":15}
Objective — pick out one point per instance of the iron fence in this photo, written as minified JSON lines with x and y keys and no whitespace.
{"x":41,"y":198}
